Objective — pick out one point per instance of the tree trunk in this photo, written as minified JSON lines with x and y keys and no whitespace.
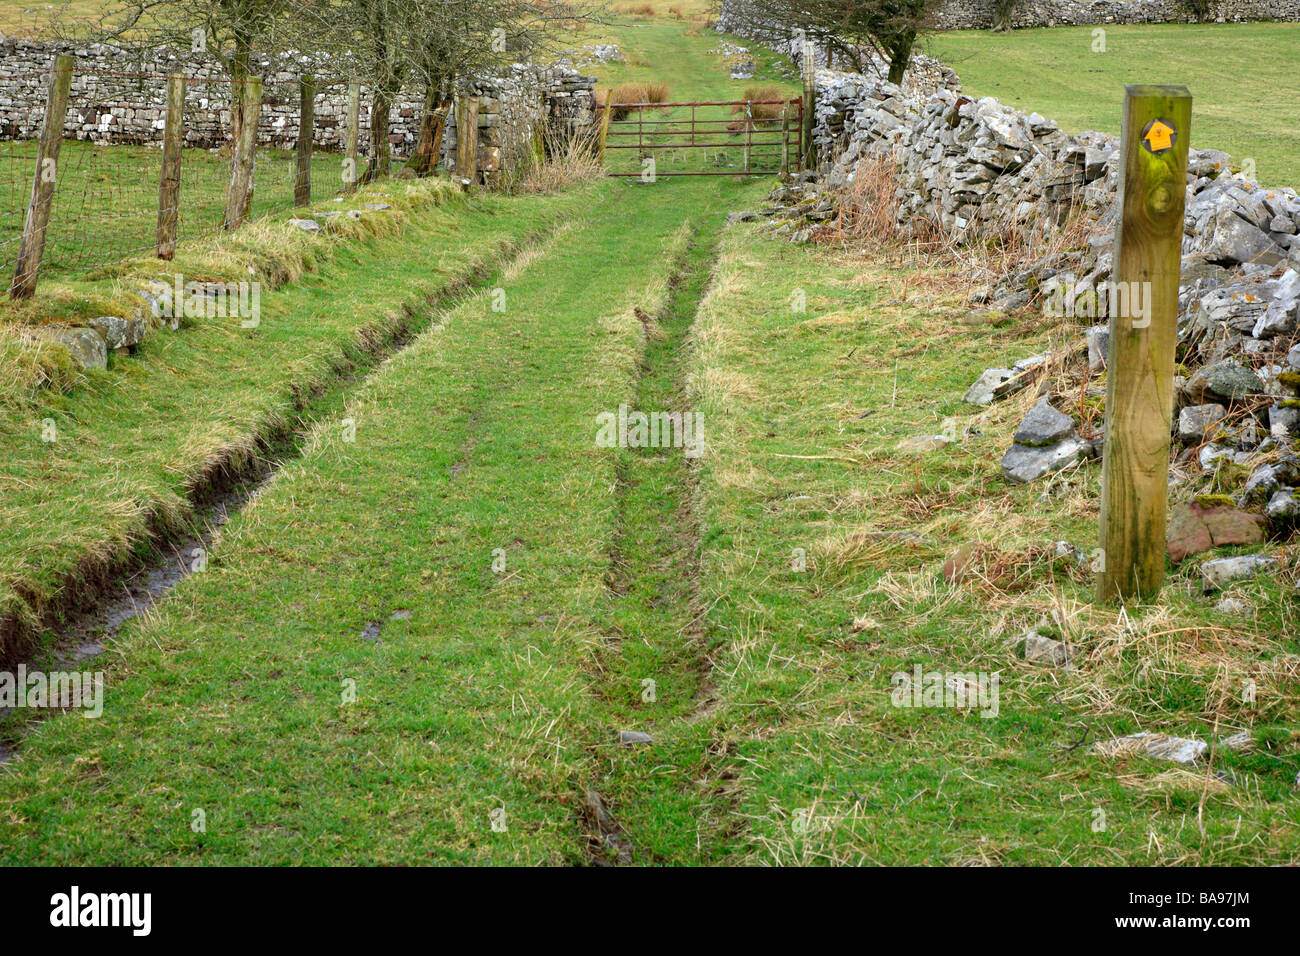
{"x":238,"y":74}
{"x":380,"y":153}
{"x":432,"y":124}
{"x":900,"y":51}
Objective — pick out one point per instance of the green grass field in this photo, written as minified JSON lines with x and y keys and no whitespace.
{"x":420,"y":641}
{"x":1242,"y":77}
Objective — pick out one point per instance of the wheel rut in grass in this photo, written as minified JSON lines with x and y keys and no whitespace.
{"x":656,"y":675}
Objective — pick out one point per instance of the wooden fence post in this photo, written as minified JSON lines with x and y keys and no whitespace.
{"x":808,"y":65}
{"x":604,"y":125}
{"x":353,"y":137}
{"x":467,"y":138}
{"x":306,"y":125}
{"x":169,"y":186}
{"x":32,"y":245}
{"x":1143,"y":333}
{"x":240,"y":195}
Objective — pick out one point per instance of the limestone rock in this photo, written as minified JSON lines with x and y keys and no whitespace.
{"x":1194,"y":421}
{"x":1022,"y":464}
{"x":983,"y":391}
{"x":1284,"y":506}
{"x":920,"y":444}
{"x":1044,"y":650}
{"x":119,"y":333}
{"x":1154,"y":745}
{"x":1223,"y":381}
{"x":1215,"y":574}
{"x":1044,"y":425}
{"x":1098,"y":347}
{"x":85,"y":345}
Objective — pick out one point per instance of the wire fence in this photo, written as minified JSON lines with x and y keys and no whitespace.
{"x":105,"y":200}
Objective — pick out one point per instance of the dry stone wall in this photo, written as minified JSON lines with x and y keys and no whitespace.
{"x":979,"y":14}
{"x":924,"y":74}
{"x":515,"y":106}
{"x":119,"y":96}
{"x":970,"y":168}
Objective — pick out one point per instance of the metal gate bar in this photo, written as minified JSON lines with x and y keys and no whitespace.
{"x":716,"y":134}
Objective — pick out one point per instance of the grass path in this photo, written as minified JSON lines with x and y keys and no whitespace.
{"x":482,"y":691}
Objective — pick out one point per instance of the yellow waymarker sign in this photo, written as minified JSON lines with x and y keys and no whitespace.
{"x":1158,"y":136}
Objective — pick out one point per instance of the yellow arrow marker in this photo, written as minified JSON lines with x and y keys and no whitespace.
{"x":1159,"y":137}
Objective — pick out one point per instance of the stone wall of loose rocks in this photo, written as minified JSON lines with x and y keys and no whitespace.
{"x":979,"y":14}
{"x":967,"y":168}
{"x":924,"y":74}
{"x":515,"y":106}
{"x":119,"y":96}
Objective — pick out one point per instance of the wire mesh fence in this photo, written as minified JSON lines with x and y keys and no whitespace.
{"x":104,"y":205}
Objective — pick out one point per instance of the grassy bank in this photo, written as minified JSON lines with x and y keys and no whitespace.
{"x":823,"y":543}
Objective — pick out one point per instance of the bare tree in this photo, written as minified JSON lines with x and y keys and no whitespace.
{"x":850,"y":30}
{"x":431,"y":44}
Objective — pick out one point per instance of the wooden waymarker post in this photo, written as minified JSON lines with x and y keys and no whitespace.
{"x":240,"y":195}
{"x":306,"y":125}
{"x":1143,"y":333}
{"x":467,"y":138}
{"x":169,"y":186}
{"x":32,"y":245}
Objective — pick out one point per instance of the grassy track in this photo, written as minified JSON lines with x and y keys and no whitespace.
{"x":486,"y":692}
{"x":1242,"y":77}
{"x":419,"y":643}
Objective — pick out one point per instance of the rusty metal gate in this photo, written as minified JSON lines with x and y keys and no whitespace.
{"x":735,"y":137}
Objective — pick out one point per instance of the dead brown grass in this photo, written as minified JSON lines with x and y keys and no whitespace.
{"x":567,"y":162}
{"x":761,"y":113}
{"x":627,"y":93}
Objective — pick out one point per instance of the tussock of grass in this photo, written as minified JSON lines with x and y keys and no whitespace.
{"x":566,"y":162}
{"x":761,"y":113}
{"x":29,"y":363}
{"x":640,"y":92}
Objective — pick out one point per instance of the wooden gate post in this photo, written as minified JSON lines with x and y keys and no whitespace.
{"x":353,"y":137}
{"x":240,"y":195}
{"x":467,"y":138}
{"x":306,"y":126}
{"x":1143,"y":333}
{"x":169,"y":186}
{"x":808,"y":65}
{"x":32,"y":245}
